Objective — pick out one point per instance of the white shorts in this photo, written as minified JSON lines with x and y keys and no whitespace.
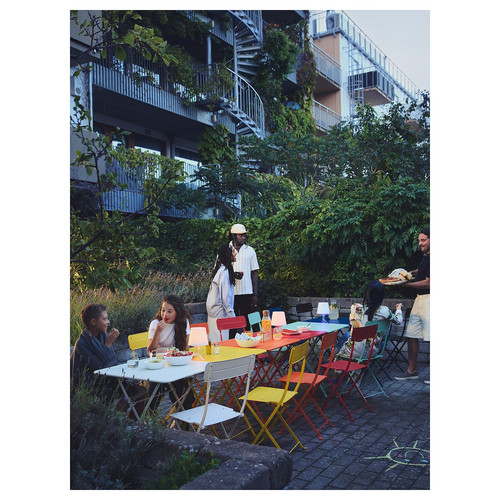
{"x":419,"y":321}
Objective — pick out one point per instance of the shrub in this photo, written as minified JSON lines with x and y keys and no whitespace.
{"x":104,"y":449}
{"x":132,"y":310}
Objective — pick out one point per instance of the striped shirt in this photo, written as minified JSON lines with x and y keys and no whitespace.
{"x":246,"y":261}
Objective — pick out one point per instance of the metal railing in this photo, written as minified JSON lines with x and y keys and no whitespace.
{"x":234,"y":94}
{"x":325,"y":117}
{"x":344,"y":24}
{"x":132,"y":198}
{"x":252,"y":19}
{"x":326,"y":64}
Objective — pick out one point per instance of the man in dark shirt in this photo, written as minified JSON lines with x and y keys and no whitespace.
{"x":419,"y":321}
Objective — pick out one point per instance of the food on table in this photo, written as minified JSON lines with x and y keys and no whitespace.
{"x":174,"y":352}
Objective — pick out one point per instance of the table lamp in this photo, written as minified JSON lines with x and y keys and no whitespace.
{"x":323,"y":310}
{"x":197,"y":337}
{"x":278,"y":319}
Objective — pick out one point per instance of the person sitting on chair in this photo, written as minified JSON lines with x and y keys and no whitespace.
{"x":371,"y":310}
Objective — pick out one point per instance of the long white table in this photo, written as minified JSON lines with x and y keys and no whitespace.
{"x":165,"y":375}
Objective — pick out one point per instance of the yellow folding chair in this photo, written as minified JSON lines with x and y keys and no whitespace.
{"x":278,"y":399}
{"x":137,"y":341}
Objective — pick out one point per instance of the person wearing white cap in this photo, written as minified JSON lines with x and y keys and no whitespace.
{"x":246,"y":266}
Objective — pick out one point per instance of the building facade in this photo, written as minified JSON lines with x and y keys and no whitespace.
{"x":164,"y":117}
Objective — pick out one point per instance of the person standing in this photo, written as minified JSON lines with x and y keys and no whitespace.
{"x":418,"y":323}
{"x":245,"y":290}
{"x":220,"y":300}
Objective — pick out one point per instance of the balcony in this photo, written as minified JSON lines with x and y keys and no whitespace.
{"x":325,"y":117}
{"x":377,"y":89}
{"x":329,"y":73}
{"x":122,"y":88}
{"x":132,"y":198}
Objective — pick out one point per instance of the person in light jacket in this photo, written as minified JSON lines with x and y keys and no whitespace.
{"x":220,"y":300}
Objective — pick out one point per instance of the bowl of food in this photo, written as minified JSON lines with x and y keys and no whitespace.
{"x":175,"y":357}
{"x":154,"y":364}
{"x":243,"y":340}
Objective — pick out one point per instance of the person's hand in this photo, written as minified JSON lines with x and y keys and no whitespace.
{"x":255,"y":300}
{"x":399,"y":306}
{"x":160,"y":326}
{"x":112,"y":336}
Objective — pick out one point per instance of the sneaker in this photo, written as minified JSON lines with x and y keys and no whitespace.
{"x":427,"y":382}
{"x":407,"y":376}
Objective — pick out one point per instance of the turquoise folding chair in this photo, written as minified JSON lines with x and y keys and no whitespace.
{"x":254,"y":319}
{"x":383,"y":332}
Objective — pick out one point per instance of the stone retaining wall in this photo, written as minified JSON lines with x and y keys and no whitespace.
{"x":244,"y":466}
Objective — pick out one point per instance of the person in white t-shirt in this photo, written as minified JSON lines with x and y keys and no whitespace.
{"x":246,"y":266}
{"x":170,"y":328}
{"x":220,"y":300}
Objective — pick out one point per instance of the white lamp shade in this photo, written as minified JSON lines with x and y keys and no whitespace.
{"x":198,"y":336}
{"x":278,"y":318}
{"x":323,"y":308}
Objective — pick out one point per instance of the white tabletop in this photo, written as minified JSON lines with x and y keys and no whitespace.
{"x":317,"y":327}
{"x":163,"y":375}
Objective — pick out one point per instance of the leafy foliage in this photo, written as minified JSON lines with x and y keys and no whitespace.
{"x":181,"y":470}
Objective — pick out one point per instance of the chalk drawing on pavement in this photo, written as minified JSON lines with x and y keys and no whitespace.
{"x":406,"y":455}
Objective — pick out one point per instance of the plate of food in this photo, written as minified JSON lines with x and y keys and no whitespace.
{"x":397,"y":277}
{"x":286,"y":331}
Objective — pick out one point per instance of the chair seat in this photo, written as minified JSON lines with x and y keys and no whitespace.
{"x":343,"y":365}
{"x":269,"y":395}
{"x":307,"y":378}
{"x":215,"y":414}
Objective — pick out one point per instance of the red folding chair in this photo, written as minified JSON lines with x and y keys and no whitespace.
{"x":313,"y":381}
{"x":231,"y":323}
{"x":351,"y":370}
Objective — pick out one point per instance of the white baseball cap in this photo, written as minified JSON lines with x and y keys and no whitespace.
{"x":238,"y":229}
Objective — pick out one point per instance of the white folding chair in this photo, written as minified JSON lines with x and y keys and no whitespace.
{"x":210,"y":414}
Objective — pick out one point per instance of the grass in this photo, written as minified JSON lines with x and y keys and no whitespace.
{"x":132,"y":310}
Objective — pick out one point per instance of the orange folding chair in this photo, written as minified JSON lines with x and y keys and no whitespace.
{"x":278,"y":399}
{"x":350,"y":370}
{"x":313,"y":381}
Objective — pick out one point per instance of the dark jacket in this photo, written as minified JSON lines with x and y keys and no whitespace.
{"x":89,"y":354}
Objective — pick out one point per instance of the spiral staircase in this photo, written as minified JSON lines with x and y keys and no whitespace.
{"x":239,"y":99}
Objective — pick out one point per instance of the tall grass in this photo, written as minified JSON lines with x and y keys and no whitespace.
{"x":132,"y":310}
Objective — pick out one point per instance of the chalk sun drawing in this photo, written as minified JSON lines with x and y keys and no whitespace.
{"x":406,"y":455}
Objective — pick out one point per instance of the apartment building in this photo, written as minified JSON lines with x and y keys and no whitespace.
{"x":161,"y":115}
{"x":352,"y":70}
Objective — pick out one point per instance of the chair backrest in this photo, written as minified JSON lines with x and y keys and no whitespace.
{"x":383,"y":332}
{"x":230,"y":323}
{"x":137,"y":341}
{"x":364,"y":333}
{"x":254,"y":319}
{"x":327,"y":342}
{"x":297,"y":354}
{"x":303,"y":309}
{"x":216,"y":371}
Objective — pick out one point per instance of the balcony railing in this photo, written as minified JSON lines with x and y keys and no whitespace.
{"x":132,"y":198}
{"x":327,"y":65}
{"x":325,"y":117}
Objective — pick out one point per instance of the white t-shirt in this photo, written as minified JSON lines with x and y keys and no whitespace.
{"x":167,"y":335}
{"x":246,"y":261}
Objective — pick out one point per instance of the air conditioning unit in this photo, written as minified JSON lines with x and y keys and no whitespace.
{"x":75,"y":87}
